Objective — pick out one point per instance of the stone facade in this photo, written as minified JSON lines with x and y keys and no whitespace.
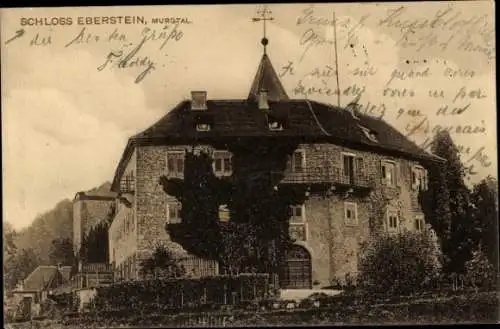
{"x":331,"y":237}
{"x":89,"y":209}
{"x":139,"y":223}
{"x":122,"y":233}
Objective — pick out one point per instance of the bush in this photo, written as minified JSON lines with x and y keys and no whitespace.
{"x":399,"y":264}
{"x":182,"y":293}
{"x":479,"y":271}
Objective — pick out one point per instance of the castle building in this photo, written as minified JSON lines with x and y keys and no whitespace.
{"x":359,"y":176}
{"x":89,"y":209}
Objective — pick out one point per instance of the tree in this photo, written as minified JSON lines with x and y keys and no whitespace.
{"x":399,"y":264}
{"x":436,"y":207}
{"x":480,"y":273}
{"x":95,"y":244}
{"x":484,"y":200}
{"x":161,"y":264}
{"x":9,"y":247}
{"x":19,"y":267}
{"x":447,"y":183}
{"x":256,"y":236}
{"x":61,"y":252}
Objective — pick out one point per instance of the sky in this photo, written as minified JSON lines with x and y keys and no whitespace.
{"x":68,"y":106}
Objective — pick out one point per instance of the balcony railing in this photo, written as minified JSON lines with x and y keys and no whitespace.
{"x":321,"y":175}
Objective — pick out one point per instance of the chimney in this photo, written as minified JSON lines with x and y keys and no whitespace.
{"x":198,"y":100}
{"x":263,"y":104}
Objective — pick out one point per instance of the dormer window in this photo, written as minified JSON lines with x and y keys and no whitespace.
{"x":370,"y":134}
{"x":275,"y":125}
{"x":203,"y":127}
{"x":263,"y":104}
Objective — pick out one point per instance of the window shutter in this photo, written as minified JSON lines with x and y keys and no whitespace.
{"x":413,"y":179}
{"x":397,"y":174}
{"x":383,"y":171}
{"x":426,"y":179}
{"x":360,"y":166}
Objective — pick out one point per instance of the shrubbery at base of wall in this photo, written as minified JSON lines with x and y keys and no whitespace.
{"x":183,"y":293}
{"x":481,"y":307}
{"x":400,"y":264}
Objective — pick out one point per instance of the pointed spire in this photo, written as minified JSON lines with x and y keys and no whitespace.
{"x":267,"y":79}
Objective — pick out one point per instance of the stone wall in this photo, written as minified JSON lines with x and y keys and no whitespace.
{"x":151,"y":199}
{"x":122,"y":234}
{"x":334,"y":244}
{"x":87,"y":213}
{"x":77,"y":226}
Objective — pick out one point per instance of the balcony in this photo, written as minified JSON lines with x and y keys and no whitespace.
{"x":322,"y":175}
{"x":127,"y":185}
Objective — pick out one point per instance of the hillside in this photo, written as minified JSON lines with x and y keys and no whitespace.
{"x":55,"y":223}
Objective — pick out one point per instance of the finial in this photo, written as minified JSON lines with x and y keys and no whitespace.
{"x":263,"y":17}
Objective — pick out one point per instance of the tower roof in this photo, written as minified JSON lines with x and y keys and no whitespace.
{"x":267,"y":79}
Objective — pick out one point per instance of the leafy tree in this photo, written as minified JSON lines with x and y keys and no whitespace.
{"x":399,"y":263}
{"x":161,"y":264}
{"x":436,"y":207}
{"x":62,"y":252}
{"x":9,"y":246}
{"x":95,"y":244}
{"x":447,"y":183}
{"x":17,"y":268}
{"x":484,"y":199}
{"x":480,"y":273}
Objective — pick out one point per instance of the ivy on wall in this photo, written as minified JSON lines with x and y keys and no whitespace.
{"x":256,"y":236}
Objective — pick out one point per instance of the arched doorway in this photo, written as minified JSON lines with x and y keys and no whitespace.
{"x":297,"y":271}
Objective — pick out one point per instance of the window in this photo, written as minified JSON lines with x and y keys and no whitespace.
{"x":419,"y":223}
{"x":392,"y":220}
{"x":224,"y":214}
{"x":298,"y":227}
{"x":348,"y":164}
{"x":175,"y":163}
{"x":222,"y":163}
{"x":203,"y":127}
{"x":419,"y":178}
{"x":389,"y":173}
{"x":298,"y":161}
{"x":174,"y":213}
{"x":370,"y":134}
{"x":297,"y":213}
{"x":350,"y":213}
{"x":274,"y":125}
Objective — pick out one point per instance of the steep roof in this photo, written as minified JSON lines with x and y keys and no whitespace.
{"x":300,"y":118}
{"x":267,"y":79}
{"x":40,"y":278}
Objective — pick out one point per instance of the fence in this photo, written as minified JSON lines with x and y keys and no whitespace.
{"x":198,"y":267}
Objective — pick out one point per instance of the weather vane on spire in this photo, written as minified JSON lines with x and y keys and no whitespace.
{"x":263,"y":17}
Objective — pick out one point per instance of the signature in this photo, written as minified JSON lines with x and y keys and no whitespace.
{"x":129,"y":60}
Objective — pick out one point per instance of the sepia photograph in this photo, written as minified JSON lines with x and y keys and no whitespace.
{"x":249,"y":165}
